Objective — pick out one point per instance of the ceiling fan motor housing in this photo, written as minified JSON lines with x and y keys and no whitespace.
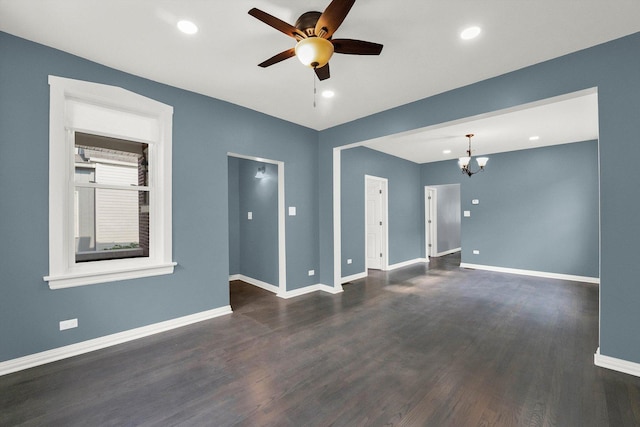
{"x":307,"y":23}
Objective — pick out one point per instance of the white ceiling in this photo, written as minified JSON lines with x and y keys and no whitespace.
{"x":561,"y":120}
{"x":422,"y":56}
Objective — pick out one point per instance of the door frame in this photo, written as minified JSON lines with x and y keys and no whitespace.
{"x":430,"y":229}
{"x":282,"y":251}
{"x":384,"y":247}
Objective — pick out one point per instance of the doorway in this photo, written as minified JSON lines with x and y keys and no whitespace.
{"x":257,"y":253}
{"x":376,"y":212}
{"x":442,"y":223}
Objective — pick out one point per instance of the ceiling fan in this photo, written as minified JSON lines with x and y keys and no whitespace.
{"x":313,"y":32}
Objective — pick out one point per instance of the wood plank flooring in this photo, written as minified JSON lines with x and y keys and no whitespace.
{"x":426,"y":345}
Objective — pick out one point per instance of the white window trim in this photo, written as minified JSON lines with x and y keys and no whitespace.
{"x":79,"y":106}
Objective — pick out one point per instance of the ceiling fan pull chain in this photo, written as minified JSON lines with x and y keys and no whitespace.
{"x":314,"y":88}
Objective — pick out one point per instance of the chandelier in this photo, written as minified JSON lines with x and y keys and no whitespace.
{"x":464,"y":162}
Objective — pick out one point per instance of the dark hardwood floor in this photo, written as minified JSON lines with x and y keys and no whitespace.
{"x":426,"y":345}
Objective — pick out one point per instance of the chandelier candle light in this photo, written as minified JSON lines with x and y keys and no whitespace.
{"x":464,"y":162}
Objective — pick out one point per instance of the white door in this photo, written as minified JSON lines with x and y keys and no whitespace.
{"x":430,"y":217}
{"x":375,"y":213}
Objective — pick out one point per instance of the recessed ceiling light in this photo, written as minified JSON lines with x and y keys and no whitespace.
{"x":534,"y":138}
{"x":187,"y":27}
{"x":470,"y":33}
{"x":328,"y":93}
{"x":446,"y":151}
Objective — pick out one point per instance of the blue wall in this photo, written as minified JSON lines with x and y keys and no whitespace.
{"x":258,"y":237}
{"x":234,"y":215}
{"x":404,"y":200}
{"x":614,"y":68}
{"x":538,"y":209}
{"x":204,"y":131}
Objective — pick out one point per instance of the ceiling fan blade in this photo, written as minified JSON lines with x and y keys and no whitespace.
{"x":356,"y":47}
{"x":323,"y":72}
{"x":279,"y":57}
{"x":332,"y":17}
{"x":278,"y":24}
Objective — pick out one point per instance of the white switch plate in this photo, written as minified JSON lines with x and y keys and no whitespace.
{"x":312,"y":272}
{"x":292,"y":211}
{"x":349,"y":261}
{"x":476,"y":252}
{"x":467,"y":213}
{"x":475,"y":202}
{"x":68,"y":324}
{"x":249,"y":215}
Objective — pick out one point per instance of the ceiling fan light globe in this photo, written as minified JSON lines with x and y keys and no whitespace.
{"x":314,"y":52}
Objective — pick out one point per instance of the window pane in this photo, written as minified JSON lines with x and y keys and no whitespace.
{"x":122,"y":162}
{"x":110,"y":223}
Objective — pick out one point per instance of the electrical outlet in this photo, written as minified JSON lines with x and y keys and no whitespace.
{"x":476,"y":252}
{"x":349,"y":261}
{"x":68,"y":324}
{"x":312,"y":272}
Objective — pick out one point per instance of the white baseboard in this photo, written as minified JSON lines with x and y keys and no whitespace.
{"x":406,"y":263}
{"x":71,"y":350}
{"x":449,"y":252}
{"x":309,"y":289}
{"x":615,"y":364}
{"x":255,"y":282}
{"x":354,"y":277}
{"x":533,"y":273}
{"x":286,"y":294}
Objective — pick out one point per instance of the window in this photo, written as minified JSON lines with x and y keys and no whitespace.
{"x":109,"y":185}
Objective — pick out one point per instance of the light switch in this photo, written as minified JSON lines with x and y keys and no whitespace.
{"x":249,"y":215}
{"x":292,"y":211}
{"x":467,"y":213}
{"x":475,"y":202}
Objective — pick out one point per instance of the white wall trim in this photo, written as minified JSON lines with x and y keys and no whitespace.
{"x":615,"y":364}
{"x":309,"y":289}
{"x":449,"y":252}
{"x":81,"y":106}
{"x":83,"y":347}
{"x":406,"y":263}
{"x":533,"y":273}
{"x":354,"y":277}
{"x":255,"y":282}
{"x":337,"y":218}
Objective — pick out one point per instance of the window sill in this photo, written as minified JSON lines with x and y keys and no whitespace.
{"x":90,"y":278}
